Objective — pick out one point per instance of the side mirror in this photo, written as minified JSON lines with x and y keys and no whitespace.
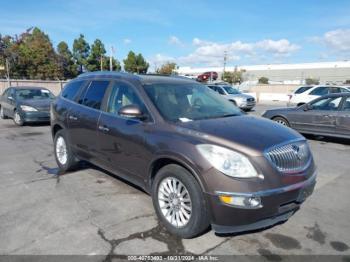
{"x":131,"y":111}
{"x":308,"y":107}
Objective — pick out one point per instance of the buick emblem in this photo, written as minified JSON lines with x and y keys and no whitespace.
{"x":298,"y":153}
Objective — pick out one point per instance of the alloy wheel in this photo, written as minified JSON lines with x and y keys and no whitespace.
{"x":282,"y":122}
{"x":61,"y":150}
{"x":17,"y":119}
{"x":175,"y":202}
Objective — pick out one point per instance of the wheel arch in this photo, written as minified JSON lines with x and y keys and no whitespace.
{"x":55,"y":129}
{"x":165,"y":160}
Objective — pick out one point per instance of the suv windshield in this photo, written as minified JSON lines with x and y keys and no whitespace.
{"x":25,"y":94}
{"x":190,"y":101}
{"x":230,"y":90}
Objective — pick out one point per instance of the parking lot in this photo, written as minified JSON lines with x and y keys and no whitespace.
{"x":92,"y":212}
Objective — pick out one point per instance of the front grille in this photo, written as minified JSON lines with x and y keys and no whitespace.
{"x":290,"y":158}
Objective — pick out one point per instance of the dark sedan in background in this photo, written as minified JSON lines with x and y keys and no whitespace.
{"x":26,"y":104}
{"x":326,"y":116}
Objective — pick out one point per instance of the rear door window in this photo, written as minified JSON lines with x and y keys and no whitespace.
{"x":320,"y":91}
{"x":71,"y":89}
{"x":94,"y":94}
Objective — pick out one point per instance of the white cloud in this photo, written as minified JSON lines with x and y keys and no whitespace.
{"x":280,"y":47}
{"x":161,"y":59}
{"x":338,"y":40}
{"x":173,"y":40}
{"x":211,"y":53}
{"x":126,"y":41}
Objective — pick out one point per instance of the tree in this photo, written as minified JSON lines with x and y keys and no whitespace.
{"x":263,"y":80}
{"x":6,"y":55}
{"x":115,"y":64}
{"x":233,"y":77}
{"x":142,"y":65}
{"x":81,"y":50}
{"x":96,"y":57}
{"x":66,"y":61}
{"x":130,"y":64}
{"x":311,"y":81}
{"x":35,"y":57}
{"x":166,"y":69}
{"x":135,"y":63}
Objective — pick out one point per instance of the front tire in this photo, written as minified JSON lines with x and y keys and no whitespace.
{"x":17,"y":119}
{"x":281,"y":120}
{"x":64,"y":156}
{"x":179,"y":202}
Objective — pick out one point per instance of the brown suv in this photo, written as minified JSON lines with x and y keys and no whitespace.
{"x":203,"y":163}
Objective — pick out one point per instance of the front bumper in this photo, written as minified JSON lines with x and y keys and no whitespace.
{"x":277,"y":206}
{"x":247,"y":106}
{"x":37,"y":116}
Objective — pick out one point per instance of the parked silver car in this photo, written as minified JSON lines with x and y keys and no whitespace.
{"x":326,"y":116}
{"x":243,"y":101}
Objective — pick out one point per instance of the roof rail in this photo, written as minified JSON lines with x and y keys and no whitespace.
{"x":96,"y":73}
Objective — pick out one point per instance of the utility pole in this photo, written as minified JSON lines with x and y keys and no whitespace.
{"x":225,"y":60}
{"x":101,"y":63}
{"x":110,"y":59}
{"x":8,"y":72}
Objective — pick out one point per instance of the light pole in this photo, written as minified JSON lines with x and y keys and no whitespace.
{"x":225,"y":59}
{"x":7,"y":72}
{"x":110,"y":59}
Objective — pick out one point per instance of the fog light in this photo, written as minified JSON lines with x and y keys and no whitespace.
{"x":241,"y":201}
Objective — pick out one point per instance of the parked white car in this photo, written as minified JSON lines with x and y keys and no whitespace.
{"x":305,"y":94}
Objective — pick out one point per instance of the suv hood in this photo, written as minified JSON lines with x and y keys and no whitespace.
{"x":248,"y":134}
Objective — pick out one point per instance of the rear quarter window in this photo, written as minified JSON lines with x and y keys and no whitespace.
{"x":302,"y":89}
{"x":94,"y":95}
{"x":71,"y":89}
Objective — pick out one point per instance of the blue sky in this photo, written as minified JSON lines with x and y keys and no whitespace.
{"x":195,"y":33}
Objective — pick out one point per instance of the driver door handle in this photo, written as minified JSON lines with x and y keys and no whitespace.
{"x":103,"y":128}
{"x":73,"y":118}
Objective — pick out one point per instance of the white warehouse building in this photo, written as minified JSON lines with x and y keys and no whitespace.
{"x":326,"y":72}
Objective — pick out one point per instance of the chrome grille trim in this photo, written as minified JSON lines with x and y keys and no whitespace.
{"x":293,"y":157}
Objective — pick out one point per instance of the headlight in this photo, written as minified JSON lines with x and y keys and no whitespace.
{"x":28,"y":108}
{"x":227,"y":161}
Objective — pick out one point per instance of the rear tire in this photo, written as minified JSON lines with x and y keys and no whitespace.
{"x":64,"y":156}
{"x":2,"y":114}
{"x":179,"y":202}
{"x":281,"y":120}
{"x":17,"y":119}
